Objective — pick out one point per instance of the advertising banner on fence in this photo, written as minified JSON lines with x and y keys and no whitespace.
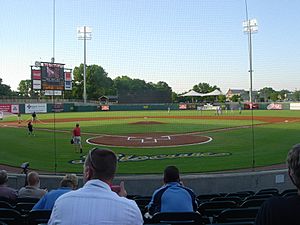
{"x":36,"y":107}
{"x":58,"y":107}
{"x":274,"y":106}
{"x":295,"y":106}
{"x":11,"y":108}
{"x":182,"y":106}
{"x":105,"y":107}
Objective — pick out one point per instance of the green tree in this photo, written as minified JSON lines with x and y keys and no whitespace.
{"x":235,"y":98}
{"x":205,"y":88}
{"x":274,"y":96}
{"x":25,"y":88}
{"x":282,"y":95}
{"x":265,"y":93}
{"x":97,"y":82}
{"x":221,"y":98}
{"x":5,"y":90}
{"x":296,"y":96}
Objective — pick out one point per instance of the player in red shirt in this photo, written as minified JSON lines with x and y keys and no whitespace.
{"x":77,"y":138}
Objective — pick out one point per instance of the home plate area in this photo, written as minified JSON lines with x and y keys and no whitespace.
{"x":149,"y":140}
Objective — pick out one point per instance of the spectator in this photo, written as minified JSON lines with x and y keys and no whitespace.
{"x":95,"y":202}
{"x":284,"y":210}
{"x":68,"y":183}
{"x":172,"y":196}
{"x":6,"y":191}
{"x":32,"y":190}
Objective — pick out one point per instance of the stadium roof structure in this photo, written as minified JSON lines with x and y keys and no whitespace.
{"x":192,"y":93}
{"x":213,"y":93}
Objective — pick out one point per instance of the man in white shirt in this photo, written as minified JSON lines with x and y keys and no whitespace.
{"x":95,"y":203}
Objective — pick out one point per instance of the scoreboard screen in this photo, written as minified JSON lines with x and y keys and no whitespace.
{"x":53,"y":77}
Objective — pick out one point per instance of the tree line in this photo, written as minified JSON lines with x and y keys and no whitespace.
{"x":98,"y":84}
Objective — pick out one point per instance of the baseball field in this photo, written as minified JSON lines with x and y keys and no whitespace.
{"x":147,"y":141}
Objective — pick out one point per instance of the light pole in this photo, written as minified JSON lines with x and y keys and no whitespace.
{"x":250,"y":27}
{"x":84,"y":33}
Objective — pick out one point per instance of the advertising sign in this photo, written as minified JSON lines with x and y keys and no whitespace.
{"x":36,"y":79}
{"x":9,"y":108}
{"x":274,"y":106}
{"x":182,"y":106}
{"x":105,"y":107}
{"x":15,"y":109}
{"x":36,"y":107}
{"x":5,"y":107}
{"x":58,"y":107}
{"x":295,"y":106}
{"x":52,"y":92}
{"x":68,"y":81}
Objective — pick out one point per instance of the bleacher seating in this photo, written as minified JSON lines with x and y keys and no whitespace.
{"x":237,"y":215}
{"x":183,"y":218}
{"x":11,"y":216}
{"x":36,"y":217}
{"x":212,"y":209}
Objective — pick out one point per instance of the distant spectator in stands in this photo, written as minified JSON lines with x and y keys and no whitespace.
{"x":6,"y":191}
{"x":172,"y":196}
{"x":284,"y":210}
{"x":95,"y":202}
{"x":68,"y":183}
{"x":32,"y":190}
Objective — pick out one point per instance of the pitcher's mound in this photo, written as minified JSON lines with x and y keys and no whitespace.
{"x":149,"y":140}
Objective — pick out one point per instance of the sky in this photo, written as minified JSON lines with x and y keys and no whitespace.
{"x":181,"y":42}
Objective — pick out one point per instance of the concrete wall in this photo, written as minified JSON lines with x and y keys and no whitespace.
{"x":200,"y":183}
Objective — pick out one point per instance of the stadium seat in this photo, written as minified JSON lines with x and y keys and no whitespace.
{"x":272,"y":191}
{"x":24,"y":207}
{"x":4,"y":199}
{"x":234,"y":198}
{"x":237,"y":215}
{"x":214,"y":208}
{"x":290,"y":194}
{"x":262,"y":196}
{"x":289,"y":191}
{"x":36,"y":217}
{"x":142,"y":202}
{"x":11,"y":216}
{"x":253,"y":203}
{"x":204,"y":198}
{"x":242,"y":195}
{"x":235,"y":223}
{"x":29,"y":200}
{"x":183,"y":218}
{"x":5,"y":205}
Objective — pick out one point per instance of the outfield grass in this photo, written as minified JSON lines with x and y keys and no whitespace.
{"x":271,"y":141}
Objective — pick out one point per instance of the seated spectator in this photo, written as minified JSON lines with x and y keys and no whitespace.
{"x":32,"y":190}
{"x":68,"y":183}
{"x":172,"y":196}
{"x":6,"y":191}
{"x":284,"y":210}
{"x":95,"y":202}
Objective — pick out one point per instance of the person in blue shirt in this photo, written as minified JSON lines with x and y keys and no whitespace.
{"x":68,"y":183}
{"x":172,"y":196}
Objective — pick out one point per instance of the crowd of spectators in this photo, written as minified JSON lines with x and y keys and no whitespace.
{"x":99,"y":202}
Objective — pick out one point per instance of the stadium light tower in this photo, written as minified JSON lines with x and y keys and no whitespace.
{"x":250,"y":27}
{"x":84,"y":33}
